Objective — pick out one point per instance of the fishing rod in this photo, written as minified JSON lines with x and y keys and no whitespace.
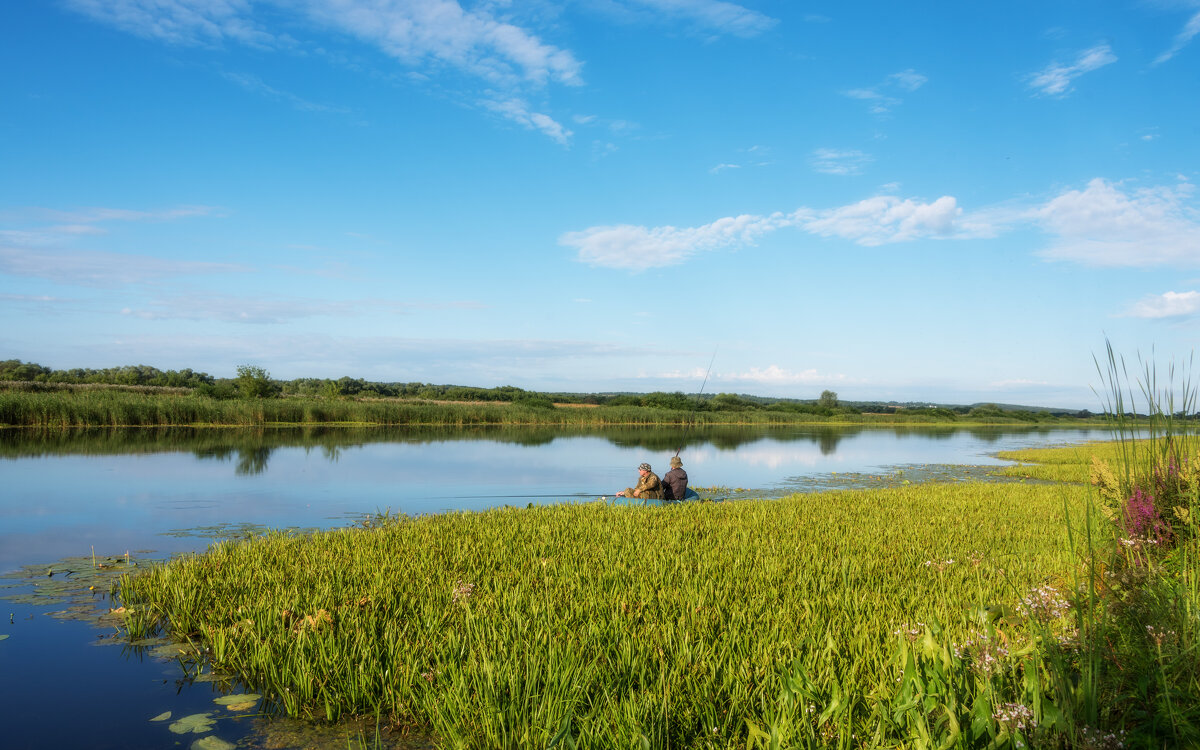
{"x":707,"y":372}
{"x":518,"y":497}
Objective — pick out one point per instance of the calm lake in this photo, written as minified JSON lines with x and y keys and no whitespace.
{"x":157,"y":492}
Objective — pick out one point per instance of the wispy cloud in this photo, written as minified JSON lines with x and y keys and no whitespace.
{"x":712,"y":16}
{"x":42,"y":228}
{"x":1055,"y":79}
{"x":775,"y":375}
{"x":80,"y":216}
{"x":874,"y":221}
{"x":1182,"y":39}
{"x":834,"y":161}
{"x":887,"y":218}
{"x":1016,"y":384}
{"x":1103,"y":224}
{"x":518,"y":111}
{"x":188,"y":22}
{"x":415,"y":32}
{"x":722,"y":167}
{"x":255,"y":85}
{"x":1108,"y":225}
{"x":265,"y":310}
{"x":102,"y":269}
{"x":1166,"y":305}
{"x":882,"y":98}
{"x":637,"y":247}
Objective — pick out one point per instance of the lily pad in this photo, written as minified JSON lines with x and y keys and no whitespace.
{"x":3,"y":637}
{"x":194,"y":724}
{"x":145,"y":642}
{"x":162,"y":717}
{"x":212,"y":742}
{"x":168,"y":651}
{"x":243,"y":702}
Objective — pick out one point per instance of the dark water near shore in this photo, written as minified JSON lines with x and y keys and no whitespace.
{"x":157,"y":492}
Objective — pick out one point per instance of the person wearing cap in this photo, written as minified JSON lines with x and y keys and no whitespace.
{"x":648,"y":487}
{"x":675,"y":481}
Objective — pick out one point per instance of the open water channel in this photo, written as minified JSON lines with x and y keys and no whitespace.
{"x":131,"y":496}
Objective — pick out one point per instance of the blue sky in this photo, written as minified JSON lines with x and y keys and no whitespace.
{"x":945,"y":202}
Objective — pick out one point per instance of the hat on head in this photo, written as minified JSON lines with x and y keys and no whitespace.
{"x":676,"y":462}
{"x":644,"y":467}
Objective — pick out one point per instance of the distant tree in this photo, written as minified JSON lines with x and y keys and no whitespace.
{"x":828,"y":399}
{"x":255,"y":382}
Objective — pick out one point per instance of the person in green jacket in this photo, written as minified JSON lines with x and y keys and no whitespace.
{"x":648,"y":487}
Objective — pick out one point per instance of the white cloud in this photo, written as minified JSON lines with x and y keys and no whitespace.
{"x":1102,"y":225}
{"x":833,"y":161}
{"x":880,"y":98}
{"x":97,"y":214}
{"x":909,"y":80}
{"x":722,"y":167}
{"x":874,"y":221}
{"x":884,"y":219}
{"x":1055,"y":79}
{"x":1016,"y":383}
{"x":1106,"y":225}
{"x":255,"y":85}
{"x":1185,"y":36}
{"x":102,"y":269}
{"x":266,"y":310}
{"x":412,"y":31}
{"x":712,"y":15}
{"x":1167,"y":305}
{"x":189,"y":22}
{"x":638,"y":247}
{"x":776,"y":375}
{"x":518,"y":111}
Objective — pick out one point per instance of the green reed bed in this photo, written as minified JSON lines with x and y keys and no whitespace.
{"x":121,"y":408}
{"x":1065,"y":464}
{"x":613,"y":626}
{"x":114,"y":406}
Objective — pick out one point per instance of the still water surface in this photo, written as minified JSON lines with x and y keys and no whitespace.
{"x":172,"y":490}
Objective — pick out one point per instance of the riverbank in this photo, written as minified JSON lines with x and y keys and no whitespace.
{"x":110,"y":407}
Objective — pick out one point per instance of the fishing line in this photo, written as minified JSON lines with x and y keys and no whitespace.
{"x":683,"y":437}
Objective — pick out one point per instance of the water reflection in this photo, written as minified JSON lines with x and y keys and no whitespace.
{"x":250,"y":448}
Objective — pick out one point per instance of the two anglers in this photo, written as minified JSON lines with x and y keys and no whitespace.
{"x":673,"y":485}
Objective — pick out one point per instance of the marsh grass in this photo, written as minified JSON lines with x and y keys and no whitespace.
{"x":119,"y":406}
{"x":1105,"y":658}
{"x":721,"y":624}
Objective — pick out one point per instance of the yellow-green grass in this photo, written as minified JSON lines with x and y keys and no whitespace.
{"x":1063,"y":464}
{"x":677,"y":624}
{"x":1073,"y":463}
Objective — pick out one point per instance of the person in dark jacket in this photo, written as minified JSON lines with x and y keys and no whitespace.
{"x":649,"y":487}
{"x":675,"y":481}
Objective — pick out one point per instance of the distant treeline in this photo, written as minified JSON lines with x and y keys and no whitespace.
{"x":255,"y":383}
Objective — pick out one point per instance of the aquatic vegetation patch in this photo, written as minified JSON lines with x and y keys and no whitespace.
{"x":610,"y":625}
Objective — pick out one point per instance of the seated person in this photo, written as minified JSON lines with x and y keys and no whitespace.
{"x":675,"y":481}
{"x":648,"y":487}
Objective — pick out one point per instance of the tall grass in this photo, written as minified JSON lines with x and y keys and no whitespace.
{"x":690,"y":626}
{"x":109,"y":407}
{"x":1107,"y":657}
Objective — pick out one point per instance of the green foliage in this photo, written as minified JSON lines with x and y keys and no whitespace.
{"x":142,"y":375}
{"x":828,"y":399}
{"x":714,"y":624}
{"x":533,"y":401}
{"x":255,"y":382}
{"x":1110,"y":662}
